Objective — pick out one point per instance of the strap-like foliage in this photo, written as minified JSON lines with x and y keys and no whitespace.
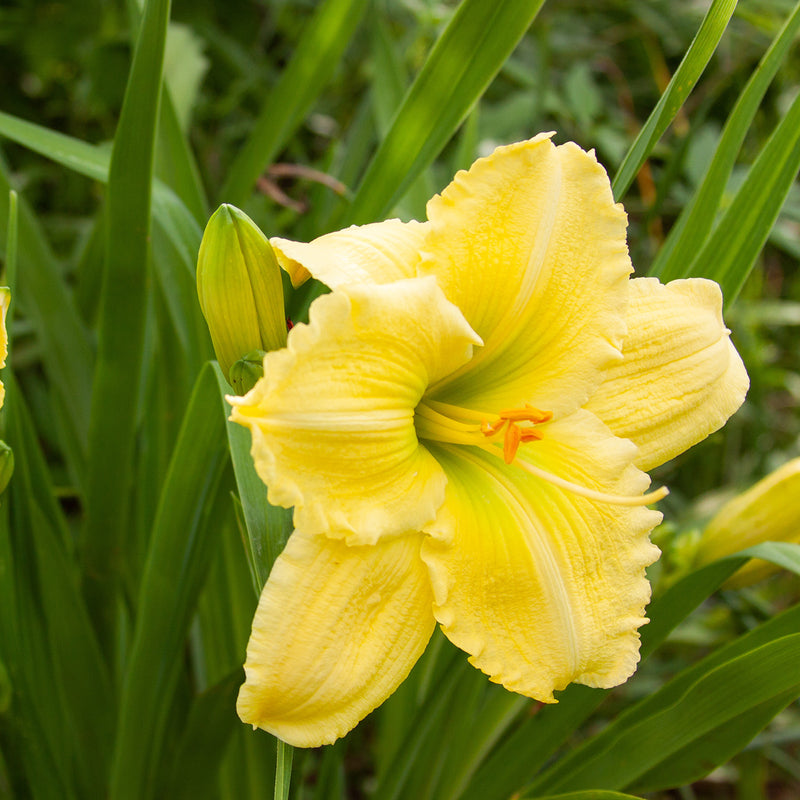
{"x":123,"y":304}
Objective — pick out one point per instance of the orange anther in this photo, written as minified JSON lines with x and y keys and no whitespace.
{"x":491,"y":428}
{"x":527,"y":414}
{"x":511,"y":441}
{"x":515,"y":434}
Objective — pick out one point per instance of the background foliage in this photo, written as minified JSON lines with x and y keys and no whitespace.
{"x":127,"y":580}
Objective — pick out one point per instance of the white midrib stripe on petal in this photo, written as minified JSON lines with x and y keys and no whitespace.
{"x":377,"y":419}
{"x":547,"y":563}
{"x":544,"y":558}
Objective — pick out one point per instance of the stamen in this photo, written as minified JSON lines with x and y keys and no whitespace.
{"x":527,"y":414}
{"x":430,"y":424}
{"x":514,"y":433}
{"x":456,"y":412}
{"x":424,"y":410}
{"x":491,"y":428}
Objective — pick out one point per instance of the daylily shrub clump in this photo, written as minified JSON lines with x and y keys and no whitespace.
{"x":462,"y":429}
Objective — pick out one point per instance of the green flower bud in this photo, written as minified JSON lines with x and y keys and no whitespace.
{"x":239,"y":286}
{"x":6,"y":465}
{"x":246,"y":371}
{"x":767,"y":512}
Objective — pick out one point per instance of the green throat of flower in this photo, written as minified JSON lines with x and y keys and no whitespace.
{"x":440,"y":422}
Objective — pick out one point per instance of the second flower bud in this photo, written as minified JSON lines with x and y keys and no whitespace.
{"x":239,"y":287}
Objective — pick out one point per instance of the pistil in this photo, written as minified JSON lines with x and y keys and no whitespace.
{"x":593,"y":494}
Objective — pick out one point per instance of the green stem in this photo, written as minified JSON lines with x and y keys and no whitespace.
{"x":283,"y":770}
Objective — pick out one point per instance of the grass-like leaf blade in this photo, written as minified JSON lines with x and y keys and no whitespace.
{"x":696,"y":759}
{"x":469,"y":53}
{"x":81,"y":157}
{"x":718,"y":697}
{"x":175,"y":163}
{"x":313,"y":63}
{"x":679,"y":88}
{"x":211,"y":722}
{"x":689,"y":233}
{"x":175,"y":242}
{"x":181,"y":547}
{"x":268,"y":526}
{"x":283,"y":771}
{"x":115,"y":389}
{"x":69,"y":673}
{"x":594,"y":794}
{"x":730,"y":252}
{"x":66,"y":346}
{"x":782,"y":625}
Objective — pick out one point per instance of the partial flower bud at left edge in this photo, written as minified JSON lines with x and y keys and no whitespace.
{"x":239,"y":287}
{"x":5,"y":299}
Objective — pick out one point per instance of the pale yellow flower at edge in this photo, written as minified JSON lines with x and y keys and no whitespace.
{"x":461,"y":429}
{"x":769,"y":511}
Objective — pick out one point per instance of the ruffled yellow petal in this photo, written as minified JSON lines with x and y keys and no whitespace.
{"x":530,"y":245}
{"x":540,"y":586}
{"x":332,"y":419}
{"x":337,"y":630}
{"x":378,"y":253}
{"x":681,"y":377}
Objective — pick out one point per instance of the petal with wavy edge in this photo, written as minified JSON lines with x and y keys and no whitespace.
{"x":530,"y":245}
{"x":540,"y":586}
{"x":381,"y":252}
{"x":332,"y":419}
{"x":337,"y":630}
{"x":681,"y":377}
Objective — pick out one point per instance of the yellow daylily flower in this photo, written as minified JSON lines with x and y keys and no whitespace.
{"x":769,"y":511}
{"x":461,"y":429}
